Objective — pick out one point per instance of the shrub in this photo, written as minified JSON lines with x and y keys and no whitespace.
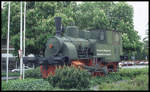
{"x":132,"y":73}
{"x":111,"y":77}
{"x":33,"y":73}
{"x":70,"y":77}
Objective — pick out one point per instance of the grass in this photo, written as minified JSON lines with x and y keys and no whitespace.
{"x":125,"y":79}
{"x":140,"y":82}
{"x":129,"y":79}
{"x":123,"y":74}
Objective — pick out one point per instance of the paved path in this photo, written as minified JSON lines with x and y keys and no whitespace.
{"x":135,"y":66}
{"x":96,"y":87}
{"x":11,"y":77}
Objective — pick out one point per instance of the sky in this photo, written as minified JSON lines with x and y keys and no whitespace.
{"x":140,"y":16}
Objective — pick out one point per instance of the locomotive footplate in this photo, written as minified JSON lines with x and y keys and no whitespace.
{"x":57,"y":60}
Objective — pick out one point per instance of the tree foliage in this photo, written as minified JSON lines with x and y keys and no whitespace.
{"x":39,"y":24}
{"x":87,"y":15}
{"x":146,"y":45}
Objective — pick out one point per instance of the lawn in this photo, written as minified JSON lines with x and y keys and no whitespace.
{"x":140,"y":82}
{"x":125,"y":79}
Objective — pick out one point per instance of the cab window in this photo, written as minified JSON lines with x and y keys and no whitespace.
{"x":102,"y":35}
{"x":116,"y":37}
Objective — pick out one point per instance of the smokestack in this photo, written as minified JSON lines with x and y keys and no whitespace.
{"x":58,"y":26}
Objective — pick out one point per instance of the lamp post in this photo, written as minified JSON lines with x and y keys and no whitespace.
{"x":21,"y":40}
{"x":24,"y":33}
{"x":7,"y":59}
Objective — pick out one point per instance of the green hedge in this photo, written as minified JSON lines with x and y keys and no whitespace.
{"x":33,"y":73}
{"x":28,"y":84}
{"x":70,"y":77}
{"x":3,"y":74}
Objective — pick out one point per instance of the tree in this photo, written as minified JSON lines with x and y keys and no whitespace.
{"x":91,"y":15}
{"x":110,"y":16}
{"x":87,"y":15}
{"x":122,"y":20}
{"x":146,"y":45}
{"x":39,"y":24}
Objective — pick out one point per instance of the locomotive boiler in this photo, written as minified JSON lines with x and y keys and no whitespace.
{"x":98,"y":51}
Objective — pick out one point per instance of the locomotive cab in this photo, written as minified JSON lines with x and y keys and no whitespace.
{"x":72,"y":31}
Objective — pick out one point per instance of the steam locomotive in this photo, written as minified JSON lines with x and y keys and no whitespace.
{"x":98,"y":51}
